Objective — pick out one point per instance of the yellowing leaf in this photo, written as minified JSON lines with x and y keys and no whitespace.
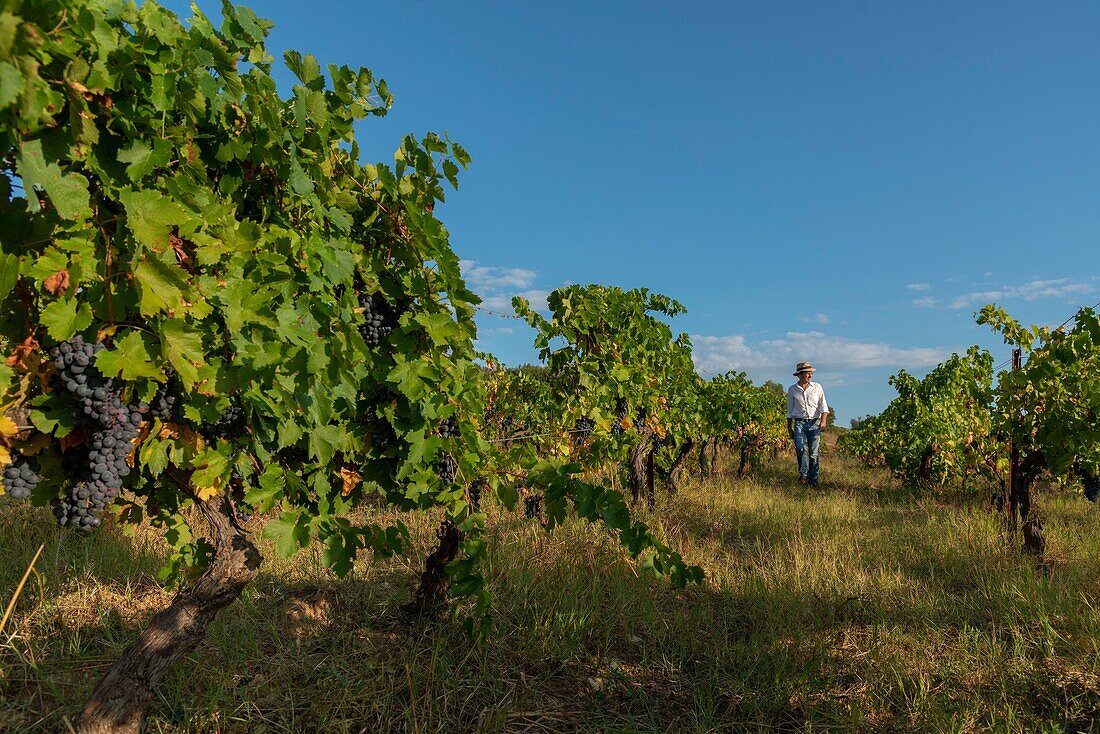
{"x":205,"y":493}
{"x":183,"y":433}
{"x":5,"y":457}
{"x":7,"y":426}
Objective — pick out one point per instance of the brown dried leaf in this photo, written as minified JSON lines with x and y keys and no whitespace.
{"x":21,"y":358}
{"x":351,"y":480}
{"x":58,"y":283}
{"x":184,"y":249}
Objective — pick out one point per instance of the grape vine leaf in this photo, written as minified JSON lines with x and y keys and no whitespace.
{"x":288,"y":532}
{"x":163,"y":284}
{"x":142,"y":158}
{"x":9,"y":272}
{"x":130,"y":358}
{"x":151,"y":215}
{"x":67,"y":192}
{"x":65,"y":317}
{"x":182,"y":347}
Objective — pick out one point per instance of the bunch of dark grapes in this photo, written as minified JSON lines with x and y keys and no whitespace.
{"x":166,"y":400}
{"x":20,"y":477}
{"x":379,"y":319}
{"x":230,"y":426}
{"x":506,"y":424}
{"x":583,"y":427}
{"x":109,"y":427}
{"x":1092,"y":486}
{"x":446,"y":468}
{"x":532,"y":506}
{"x":640,"y":416}
{"x":658,"y":443}
{"x":449,"y":427}
{"x":474,"y":492}
{"x":620,"y":416}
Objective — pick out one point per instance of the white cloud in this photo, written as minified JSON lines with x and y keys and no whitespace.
{"x":925,"y":302}
{"x":1032,"y":291}
{"x":919,"y":286}
{"x":817,"y":318}
{"x":492,"y":278}
{"x":830,"y":353}
{"x":503,"y":303}
{"x":498,"y":285}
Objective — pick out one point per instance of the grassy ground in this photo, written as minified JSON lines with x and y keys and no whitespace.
{"x":855,"y":607}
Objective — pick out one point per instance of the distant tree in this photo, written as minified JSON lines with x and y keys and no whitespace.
{"x":774,"y":387}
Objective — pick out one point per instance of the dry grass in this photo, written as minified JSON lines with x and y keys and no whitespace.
{"x":856,"y":607}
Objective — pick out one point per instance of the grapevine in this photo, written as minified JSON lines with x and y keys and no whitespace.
{"x":233,"y":294}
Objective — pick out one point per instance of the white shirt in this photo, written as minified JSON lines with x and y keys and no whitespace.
{"x":806,"y":404}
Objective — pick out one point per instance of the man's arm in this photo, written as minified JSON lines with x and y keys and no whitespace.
{"x":824,"y":410}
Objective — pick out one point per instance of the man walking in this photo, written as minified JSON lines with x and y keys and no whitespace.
{"x":807,"y":413}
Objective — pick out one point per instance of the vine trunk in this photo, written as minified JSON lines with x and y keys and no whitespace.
{"x":118,"y":703}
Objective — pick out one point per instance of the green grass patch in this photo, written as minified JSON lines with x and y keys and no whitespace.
{"x":859,"y":606}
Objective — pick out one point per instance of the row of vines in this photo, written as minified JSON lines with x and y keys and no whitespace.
{"x":211,"y":308}
{"x":963,"y":422}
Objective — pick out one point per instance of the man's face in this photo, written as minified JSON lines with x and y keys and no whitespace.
{"x":804,"y":377}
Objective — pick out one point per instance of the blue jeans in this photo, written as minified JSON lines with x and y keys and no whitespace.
{"x":807,"y":443}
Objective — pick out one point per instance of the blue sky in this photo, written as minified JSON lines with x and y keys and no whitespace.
{"x":840,"y":182}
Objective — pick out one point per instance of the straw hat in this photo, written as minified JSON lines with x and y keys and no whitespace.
{"x":803,"y":367}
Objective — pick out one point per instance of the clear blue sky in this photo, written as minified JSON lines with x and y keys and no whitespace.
{"x":839,"y":182}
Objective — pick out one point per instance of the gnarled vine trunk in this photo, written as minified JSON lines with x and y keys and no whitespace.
{"x":708,"y":454}
{"x":650,"y":461}
{"x":638,"y":476}
{"x":1025,"y":475}
{"x":676,"y":470}
{"x":750,"y":444}
{"x":118,"y":703}
{"x":435,"y":582}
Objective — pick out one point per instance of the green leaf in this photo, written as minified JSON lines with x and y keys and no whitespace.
{"x":300,"y":182}
{"x":130,"y":359}
{"x":11,"y":84}
{"x":52,"y":416}
{"x":67,"y":192}
{"x":289,"y":533}
{"x":244,"y":303}
{"x":305,"y":67}
{"x":65,"y":317}
{"x":412,"y":377}
{"x":182,"y":347}
{"x":339,"y":553}
{"x":162,"y":284}
{"x":324,"y":441}
{"x":9,"y":272}
{"x":142,"y":158}
{"x":211,"y":467}
{"x":151,"y":215}
{"x":154,"y":455}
